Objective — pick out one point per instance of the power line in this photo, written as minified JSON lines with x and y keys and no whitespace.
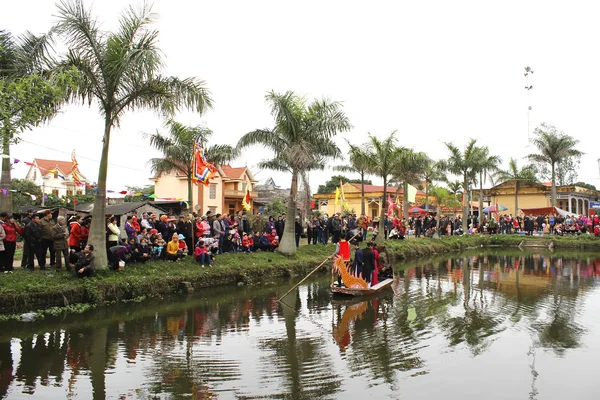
{"x":85,"y":158}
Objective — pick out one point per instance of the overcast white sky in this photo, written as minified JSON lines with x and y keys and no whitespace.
{"x":436,"y":71}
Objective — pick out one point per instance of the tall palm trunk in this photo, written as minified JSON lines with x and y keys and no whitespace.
{"x":516,"y":198}
{"x":437,"y":221}
{"x":405,"y":201}
{"x":426,"y":196}
{"x":5,"y":181}
{"x":553,"y":186}
{"x":287,"y":245}
{"x":381,"y":234}
{"x":479,"y":212}
{"x":98,"y":228}
{"x":465,"y":204}
{"x":362,"y":194}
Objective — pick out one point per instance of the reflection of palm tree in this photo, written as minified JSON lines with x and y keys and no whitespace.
{"x":475,"y":325}
{"x":561,"y":332}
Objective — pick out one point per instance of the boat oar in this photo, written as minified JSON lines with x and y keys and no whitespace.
{"x":306,"y":277}
{"x":310,"y":273}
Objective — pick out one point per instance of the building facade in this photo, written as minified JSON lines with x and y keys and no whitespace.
{"x":573,"y":199}
{"x":223,"y":194}
{"x":55,"y":177}
{"x":352,"y":194}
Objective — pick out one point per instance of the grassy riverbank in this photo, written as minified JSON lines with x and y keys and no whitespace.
{"x":24,"y":291}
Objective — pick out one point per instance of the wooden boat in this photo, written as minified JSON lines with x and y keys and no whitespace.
{"x":361,"y":291}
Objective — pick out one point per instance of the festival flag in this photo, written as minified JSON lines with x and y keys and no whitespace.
{"x":246,"y":200}
{"x":390,"y":210}
{"x":75,"y":170}
{"x":345,"y":205}
{"x":203,"y":170}
{"x":411,"y":191}
{"x":337,"y":196}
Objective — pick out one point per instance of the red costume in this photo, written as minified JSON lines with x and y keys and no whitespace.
{"x":75,"y":235}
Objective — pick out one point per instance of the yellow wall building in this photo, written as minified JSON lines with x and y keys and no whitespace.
{"x":352,"y":195}
{"x":223,"y":194}
{"x":573,"y":199}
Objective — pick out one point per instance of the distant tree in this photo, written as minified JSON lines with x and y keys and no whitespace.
{"x":410,"y":168}
{"x":145,"y":191}
{"x":334,"y":182}
{"x":359,"y":164}
{"x":554,"y":147}
{"x":464,"y":163}
{"x":178,"y":151}
{"x":275,"y":208}
{"x":584,"y":185}
{"x":21,"y":200}
{"x":520,"y":176}
{"x":566,"y":171}
{"x":384,"y":155}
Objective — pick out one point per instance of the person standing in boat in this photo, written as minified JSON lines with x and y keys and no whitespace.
{"x":357,"y":266}
{"x":368,"y":263}
{"x":342,"y":249}
{"x":377,"y":263}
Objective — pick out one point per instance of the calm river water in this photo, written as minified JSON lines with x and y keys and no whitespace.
{"x":481,"y":325}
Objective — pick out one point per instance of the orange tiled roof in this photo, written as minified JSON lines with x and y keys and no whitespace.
{"x":64,"y":166}
{"x":376,"y":188}
{"x":230,"y":172}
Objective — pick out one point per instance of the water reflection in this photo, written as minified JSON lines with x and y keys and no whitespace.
{"x":241,"y":343}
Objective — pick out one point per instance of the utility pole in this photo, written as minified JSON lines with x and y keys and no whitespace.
{"x":528,"y":87}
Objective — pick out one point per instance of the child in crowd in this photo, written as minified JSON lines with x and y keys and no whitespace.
{"x":246,"y":247}
{"x":157,"y":247}
{"x":202,"y":254}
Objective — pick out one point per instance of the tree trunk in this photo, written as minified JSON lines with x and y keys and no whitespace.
{"x":98,"y":227}
{"x":381,"y":234}
{"x":516,"y":198}
{"x":465,"y":207}
{"x":287,"y":245}
{"x":97,"y":361}
{"x":553,"y":186}
{"x":405,"y":201}
{"x":362,"y":194}
{"x":5,"y":180}
{"x":437,"y":221}
{"x":190,"y":193}
{"x":479,"y":212}
{"x":426,"y":195}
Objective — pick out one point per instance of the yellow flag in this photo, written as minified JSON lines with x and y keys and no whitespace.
{"x":411,"y":192}
{"x":337,"y":196}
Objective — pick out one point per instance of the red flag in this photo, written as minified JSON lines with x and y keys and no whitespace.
{"x":390,"y":210}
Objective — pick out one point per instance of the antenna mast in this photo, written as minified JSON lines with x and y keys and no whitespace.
{"x":528,"y":87}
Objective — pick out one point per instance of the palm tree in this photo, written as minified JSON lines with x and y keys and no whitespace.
{"x":442,"y":197}
{"x":121,"y":70}
{"x":383,"y":155}
{"x":178,"y":151}
{"x":431,"y":172}
{"x":521,"y":175}
{"x":301,"y":141}
{"x":455,"y":188}
{"x":409,"y":170}
{"x":553,"y":147}
{"x":487,"y":165}
{"x":27,"y":96}
{"x":359,"y":164}
{"x":463,"y":163}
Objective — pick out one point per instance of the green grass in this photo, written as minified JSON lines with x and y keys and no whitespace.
{"x":24,"y":290}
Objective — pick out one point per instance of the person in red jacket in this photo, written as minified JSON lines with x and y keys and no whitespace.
{"x":75,"y":234}
{"x":245,"y":243}
{"x":11,"y":228}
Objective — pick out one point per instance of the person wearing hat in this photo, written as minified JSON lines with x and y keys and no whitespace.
{"x":298,"y":230}
{"x":183,"y":248}
{"x":245,"y":243}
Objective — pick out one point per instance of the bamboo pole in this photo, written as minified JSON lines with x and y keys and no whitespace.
{"x":306,"y":277}
{"x":311,"y":272}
